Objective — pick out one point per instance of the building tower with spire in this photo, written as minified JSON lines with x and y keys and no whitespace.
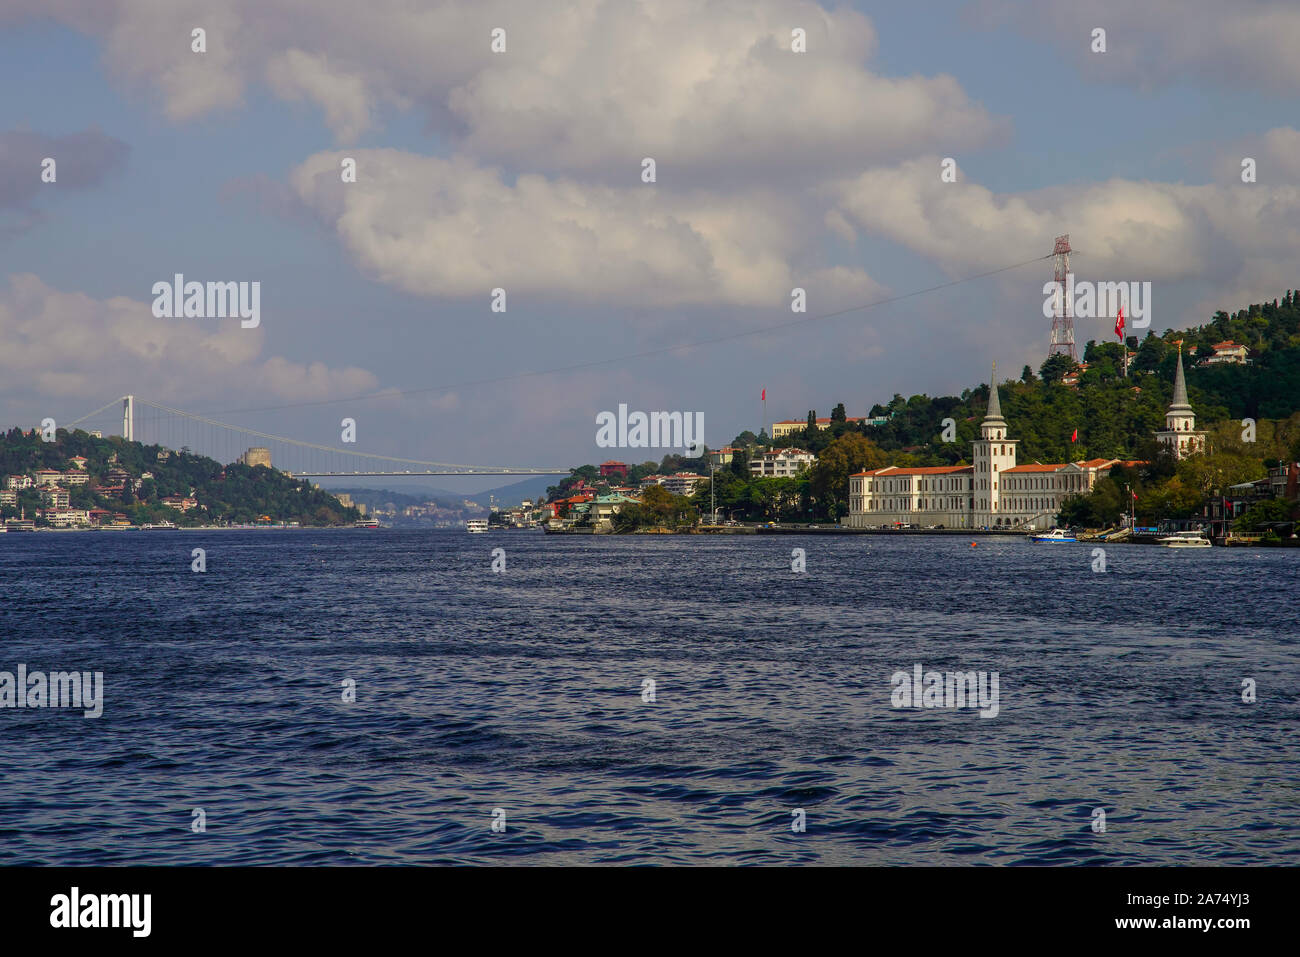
{"x":993,"y":453}
{"x":1179,"y":434}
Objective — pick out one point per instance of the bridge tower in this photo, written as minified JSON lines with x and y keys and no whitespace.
{"x":128,"y":417}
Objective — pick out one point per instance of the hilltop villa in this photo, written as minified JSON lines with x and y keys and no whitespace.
{"x":994,"y":491}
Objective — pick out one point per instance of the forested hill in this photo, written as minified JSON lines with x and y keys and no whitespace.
{"x":133,"y":479}
{"x":1115,"y":416}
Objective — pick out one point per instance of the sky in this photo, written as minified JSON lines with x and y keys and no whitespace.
{"x":523,"y":170}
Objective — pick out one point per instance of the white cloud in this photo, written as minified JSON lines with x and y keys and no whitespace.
{"x":440,"y":227}
{"x":1276,"y":153}
{"x":584,"y":86}
{"x":1155,"y":230}
{"x":295,"y":75}
{"x":66,"y":345}
{"x":1241,"y":238}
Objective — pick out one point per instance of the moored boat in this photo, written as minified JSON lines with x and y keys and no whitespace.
{"x":1185,"y":540}
{"x":1055,"y":535}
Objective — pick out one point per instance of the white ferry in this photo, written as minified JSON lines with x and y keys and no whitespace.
{"x":1184,"y":540}
{"x":476,"y":526}
{"x":156,"y":525}
{"x":1055,"y":535}
{"x":366,"y":523}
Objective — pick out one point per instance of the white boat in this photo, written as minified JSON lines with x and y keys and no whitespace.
{"x":366,"y":523}
{"x":1184,"y":540}
{"x":476,"y":526}
{"x":1055,"y":535}
{"x":157,"y":525}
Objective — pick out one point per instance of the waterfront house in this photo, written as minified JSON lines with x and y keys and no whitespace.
{"x":603,"y":508}
{"x":780,"y":463}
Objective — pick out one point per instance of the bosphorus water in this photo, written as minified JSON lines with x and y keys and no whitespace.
{"x":523,"y":691}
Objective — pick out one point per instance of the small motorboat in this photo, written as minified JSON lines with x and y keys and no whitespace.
{"x":1055,"y":535}
{"x":1185,"y":540}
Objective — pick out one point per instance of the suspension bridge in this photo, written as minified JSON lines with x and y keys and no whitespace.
{"x":152,"y":423}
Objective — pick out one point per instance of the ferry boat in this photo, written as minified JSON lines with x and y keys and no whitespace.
{"x":366,"y":523}
{"x":1184,"y":540}
{"x":476,"y":526}
{"x":1055,"y":535}
{"x":157,"y":525}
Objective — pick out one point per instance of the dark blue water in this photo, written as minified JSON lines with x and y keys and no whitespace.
{"x":522,"y":691}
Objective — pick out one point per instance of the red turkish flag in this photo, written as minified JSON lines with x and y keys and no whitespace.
{"x":764,"y":395}
{"x":1119,"y":323}
{"x":1075,"y":437}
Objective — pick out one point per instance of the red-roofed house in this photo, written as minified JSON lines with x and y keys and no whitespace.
{"x":1227,"y":352}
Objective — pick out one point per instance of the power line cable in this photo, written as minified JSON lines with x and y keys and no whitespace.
{"x":641,"y":355}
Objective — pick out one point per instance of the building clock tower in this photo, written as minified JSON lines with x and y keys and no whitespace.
{"x":994,"y":454}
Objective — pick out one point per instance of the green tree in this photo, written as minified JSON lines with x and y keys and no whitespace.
{"x":829,"y":478}
{"x":739,"y":464}
{"x":1057,"y":366}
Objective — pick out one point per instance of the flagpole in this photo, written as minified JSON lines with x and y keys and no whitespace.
{"x":1123,"y":346}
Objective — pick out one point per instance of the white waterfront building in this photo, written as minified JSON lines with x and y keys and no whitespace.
{"x":993,"y":491}
{"x":781,"y":463}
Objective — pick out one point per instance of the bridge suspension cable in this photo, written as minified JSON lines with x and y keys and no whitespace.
{"x":107,"y":405}
{"x":158,"y":428}
{"x":349,"y":452}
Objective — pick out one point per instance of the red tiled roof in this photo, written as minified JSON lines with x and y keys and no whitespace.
{"x":893,"y":470}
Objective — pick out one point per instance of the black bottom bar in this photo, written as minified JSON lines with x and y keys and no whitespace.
{"x":930,"y":906}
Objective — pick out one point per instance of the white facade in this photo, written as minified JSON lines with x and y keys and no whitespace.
{"x":1228,"y":352}
{"x":681,"y":483}
{"x":781,"y":463}
{"x":992,"y":492}
{"x":58,"y":497}
{"x":66,"y":517}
